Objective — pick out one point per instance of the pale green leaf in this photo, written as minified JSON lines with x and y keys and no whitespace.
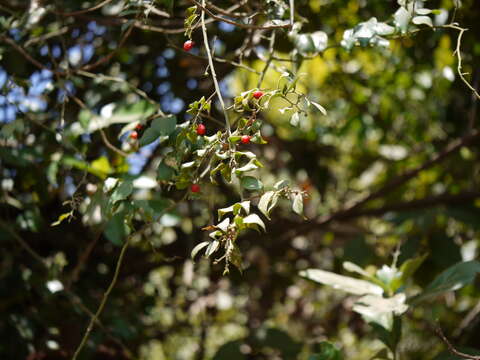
{"x":199,"y":247}
{"x":340,"y":282}
{"x":254,"y":219}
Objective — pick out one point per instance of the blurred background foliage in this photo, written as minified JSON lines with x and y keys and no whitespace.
{"x":390,"y":110}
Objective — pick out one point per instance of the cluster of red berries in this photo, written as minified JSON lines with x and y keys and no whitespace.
{"x":134,"y":134}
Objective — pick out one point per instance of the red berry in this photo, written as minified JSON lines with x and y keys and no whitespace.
{"x":188,"y":45}
{"x":245,"y":139}
{"x":201,"y":129}
{"x":139,"y":127}
{"x":134,"y":135}
{"x":257,"y":94}
{"x":195,"y":188}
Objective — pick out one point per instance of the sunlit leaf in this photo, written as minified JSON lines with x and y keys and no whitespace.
{"x":340,"y":282}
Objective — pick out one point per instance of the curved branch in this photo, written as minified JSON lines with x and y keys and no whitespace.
{"x":244,"y":26}
{"x":452,"y":350}
{"x":84,"y":11}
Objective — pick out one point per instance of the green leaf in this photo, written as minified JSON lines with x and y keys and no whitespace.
{"x":162,"y":126}
{"x":349,"y":266}
{"x":153,"y":208}
{"x":297,"y":204}
{"x":381,"y":310}
{"x":251,"y":165}
{"x":165,"y":172}
{"x":214,"y":245}
{"x":223,"y":225}
{"x":281,"y":184}
{"x":453,"y":278}
{"x":245,"y":205}
{"x":115,"y":229}
{"x":199,"y":247}
{"x":340,"y":282}
{"x":319,"y":107}
{"x":165,"y":125}
{"x":224,"y":211}
{"x":84,"y":118}
{"x":234,"y":139}
{"x":122,"y":191}
{"x":295,"y":119}
{"x":422,"y":20}
{"x":123,"y":114}
{"x":251,"y":183}
{"x":149,"y":136}
{"x":263,"y":204}
{"x":254,"y":221}
{"x":102,"y":166}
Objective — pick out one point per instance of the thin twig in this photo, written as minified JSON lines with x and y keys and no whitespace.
{"x":226,"y":12}
{"x":216,"y":59}
{"x":212,"y":69}
{"x":451,"y":349}
{"x":46,"y":36}
{"x":104,"y":299}
{"x":95,"y":317}
{"x":110,"y":145}
{"x":244,"y":26}
{"x":23,"y":243}
{"x":467,"y":320}
{"x":102,"y":132}
{"x":84,"y":11}
{"x":269,"y":60}
{"x":459,"y":57}
{"x":107,"y":58}
{"x":138,"y":91}
{"x":23,"y":52}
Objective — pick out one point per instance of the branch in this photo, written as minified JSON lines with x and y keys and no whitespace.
{"x":46,"y":36}
{"x":226,"y":12}
{"x":216,"y":59}
{"x":243,"y":26}
{"x":452,"y":350}
{"x":269,"y":60}
{"x":212,"y":69}
{"x":459,"y":57}
{"x":97,"y":314}
{"x":25,"y":54}
{"x":84,"y":11}
{"x":107,"y":58}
